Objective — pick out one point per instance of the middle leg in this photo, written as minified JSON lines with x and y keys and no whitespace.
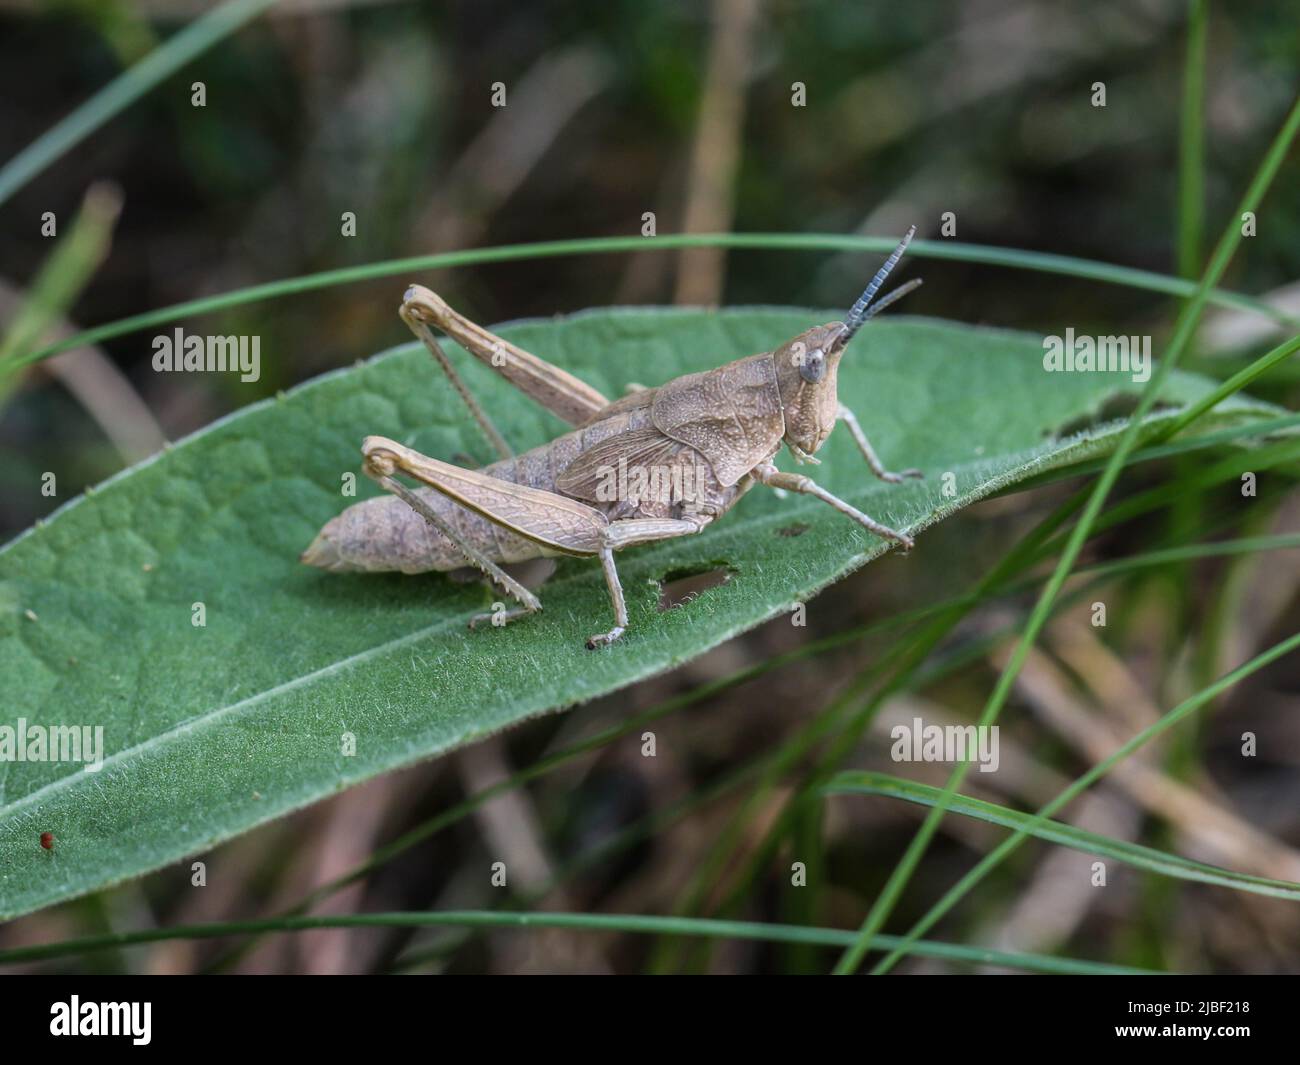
{"x":624,"y":534}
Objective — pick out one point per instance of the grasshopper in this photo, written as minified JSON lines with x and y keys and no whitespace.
{"x":689,"y":448}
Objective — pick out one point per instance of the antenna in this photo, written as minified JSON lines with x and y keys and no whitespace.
{"x":893,"y":297}
{"x":859,"y":314}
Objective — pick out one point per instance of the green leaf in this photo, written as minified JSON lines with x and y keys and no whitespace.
{"x":1134,"y":854}
{"x":211,"y":730}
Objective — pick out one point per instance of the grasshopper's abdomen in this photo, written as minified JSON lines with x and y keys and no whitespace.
{"x":384,"y":535}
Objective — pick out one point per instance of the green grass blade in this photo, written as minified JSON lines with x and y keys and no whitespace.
{"x":125,"y":89}
{"x":1134,"y":854}
{"x":1231,"y":386}
{"x":1233,"y":434}
{"x":1011,"y":258}
{"x":64,"y":274}
{"x":587,"y":922}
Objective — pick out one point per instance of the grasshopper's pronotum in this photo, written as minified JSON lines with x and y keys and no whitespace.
{"x":692,"y":446}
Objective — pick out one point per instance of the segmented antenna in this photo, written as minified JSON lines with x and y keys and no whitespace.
{"x":859,"y":314}
{"x":893,"y":297}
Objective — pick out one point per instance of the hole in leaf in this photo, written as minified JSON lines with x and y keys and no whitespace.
{"x":797,"y":529}
{"x":678,"y":587}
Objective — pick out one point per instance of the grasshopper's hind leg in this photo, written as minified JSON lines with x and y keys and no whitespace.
{"x":528,"y":602}
{"x":555,"y":522}
{"x":552,"y":521}
{"x":565,"y":396}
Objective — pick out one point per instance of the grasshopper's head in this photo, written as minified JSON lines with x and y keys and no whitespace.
{"x":806,"y":366}
{"x":805,"y":372}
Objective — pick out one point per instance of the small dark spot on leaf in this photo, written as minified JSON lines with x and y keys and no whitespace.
{"x":678,"y":587}
{"x":797,"y":529}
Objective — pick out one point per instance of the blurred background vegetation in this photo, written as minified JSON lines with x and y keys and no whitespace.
{"x":617,"y":108}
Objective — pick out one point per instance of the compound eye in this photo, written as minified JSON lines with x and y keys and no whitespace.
{"x":813,"y":367}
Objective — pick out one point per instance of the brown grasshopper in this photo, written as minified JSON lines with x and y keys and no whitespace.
{"x":689,"y":449}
